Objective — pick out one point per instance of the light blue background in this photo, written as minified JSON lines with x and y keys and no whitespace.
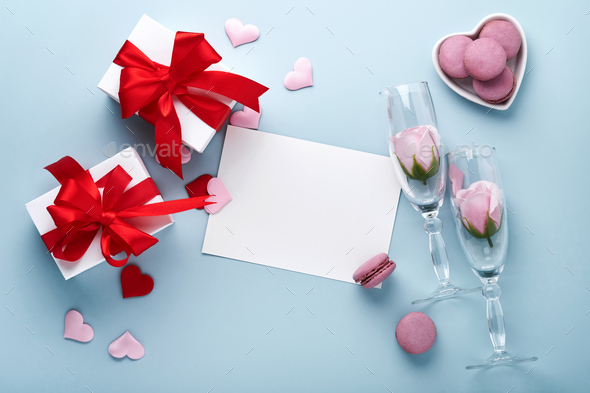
{"x":205,"y":313}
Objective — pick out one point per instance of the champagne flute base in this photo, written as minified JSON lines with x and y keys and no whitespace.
{"x":446,"y":292}
{"x":502,"y":358}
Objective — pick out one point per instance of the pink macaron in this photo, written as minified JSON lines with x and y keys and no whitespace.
{"x":374,"y":271}
{"x":450,"y":56}
{"x":415,"y":333}
{"x":498,"y":89}
{"x":484,"y":59}
{"x":505,"y":34}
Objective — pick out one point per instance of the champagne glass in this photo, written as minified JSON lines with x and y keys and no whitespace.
{"x":481,"y":222}
{"x":421,"y":168}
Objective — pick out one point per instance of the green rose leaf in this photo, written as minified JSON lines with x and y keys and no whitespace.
{"x":417,"y":173}
{"x":489,"y":231}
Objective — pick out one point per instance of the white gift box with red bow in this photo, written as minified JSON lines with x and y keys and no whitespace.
{"x":157,"y":42}
{"x":131,"y":162}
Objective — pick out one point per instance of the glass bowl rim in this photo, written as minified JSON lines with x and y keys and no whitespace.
{"x":413,"y":83}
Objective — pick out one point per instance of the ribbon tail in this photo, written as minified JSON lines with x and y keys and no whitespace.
{"x":140,"y":194}
{"x":169,"y":136}
{"x":166,"y":207}
{"x":105,"y":246}
{"x":238,"y":88}
{"x":133,"y":241}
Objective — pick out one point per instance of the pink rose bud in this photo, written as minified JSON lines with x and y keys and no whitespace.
{"x":481,"y":209}
{"x":417,"y":152}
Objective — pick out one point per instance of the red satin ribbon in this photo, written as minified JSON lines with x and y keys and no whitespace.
{"x":79,"y":212}
{"x":147,"y":87}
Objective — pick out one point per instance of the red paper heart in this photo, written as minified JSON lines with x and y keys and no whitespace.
{"x":134,"y":283}
{"x":198,"y":187}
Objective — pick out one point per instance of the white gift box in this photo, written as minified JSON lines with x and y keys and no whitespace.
{"x":157,"y":43}
{"x":131,"y":162}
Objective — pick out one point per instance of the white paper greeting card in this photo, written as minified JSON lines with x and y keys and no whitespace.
{"x":131,"y":162}
{"x":157,"y":42}
{"x":302,"y":206}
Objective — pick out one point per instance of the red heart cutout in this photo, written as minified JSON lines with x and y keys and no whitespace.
{"x":134,"y":283}
{"x":198,"y":187}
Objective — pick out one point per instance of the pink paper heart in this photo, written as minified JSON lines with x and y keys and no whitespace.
{"x":240,"y":34}
{"x":126,"y":345}
{"x":301,"y":75}
{"x":185,"y":155}
{"x":76,"y":329}
{"x":248,"y":118}
{"x":219,"y":194}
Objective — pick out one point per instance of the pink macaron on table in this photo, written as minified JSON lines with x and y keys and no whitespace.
{"x":488,"y":34}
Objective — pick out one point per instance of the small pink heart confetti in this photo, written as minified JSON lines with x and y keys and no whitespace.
{"x":219,"y":194}
{"x":185,"y":155}
{"x":126,"y":345}
{"x":301,"y":75}
{"x":240,"y":34}
{"x":76,"y":329}
{"x":248,"y":118}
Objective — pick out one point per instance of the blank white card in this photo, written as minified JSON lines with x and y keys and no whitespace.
{"x":302,"y":206}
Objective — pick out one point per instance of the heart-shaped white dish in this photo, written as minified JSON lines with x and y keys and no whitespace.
{"x":464,"y":87}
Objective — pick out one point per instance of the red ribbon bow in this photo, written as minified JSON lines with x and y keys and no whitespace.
{"x":147,"y":87}
{"x":79,"y":212}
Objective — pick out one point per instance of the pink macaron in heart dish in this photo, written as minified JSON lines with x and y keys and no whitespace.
{"x":505,"y":34}
{"x":484,"y":59}
{"x":374,"y":271}
{"x":451,"y":56}
{"x":486,"y":65}
{"x":498,"y":89}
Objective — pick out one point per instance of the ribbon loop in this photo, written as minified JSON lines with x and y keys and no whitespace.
{"x":147,"y":87}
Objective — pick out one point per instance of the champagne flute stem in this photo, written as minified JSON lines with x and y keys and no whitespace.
{"x":500,"y":357}
{"x":438,"y":250}
{"x":491,"y":292}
